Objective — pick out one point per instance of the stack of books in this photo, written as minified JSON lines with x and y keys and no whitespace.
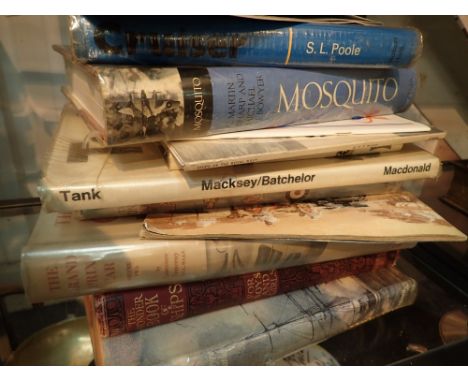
{"x":220,"y":214}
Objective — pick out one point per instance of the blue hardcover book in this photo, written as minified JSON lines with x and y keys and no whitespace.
{"x":124,"y":102}
{"x":185,"y":40}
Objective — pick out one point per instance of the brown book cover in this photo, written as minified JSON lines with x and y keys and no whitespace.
{"x":131,"y":310}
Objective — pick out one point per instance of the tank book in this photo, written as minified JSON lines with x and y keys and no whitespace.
{"x":122,"y":103}
{"x":192,"y":155}
{"x":128,"y":311}
{"x":76,"y":178}
{"x":224,"y":40}
{"x":262,"y":331}
{"x":393,"y":218}
{"x":67,"y":257}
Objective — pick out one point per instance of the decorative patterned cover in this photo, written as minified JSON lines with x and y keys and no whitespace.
{"x":136,"y":309}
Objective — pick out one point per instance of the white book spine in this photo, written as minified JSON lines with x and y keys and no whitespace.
{"x":272,"y":177}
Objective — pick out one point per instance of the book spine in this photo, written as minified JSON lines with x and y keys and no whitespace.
{"x":241,"y":42}
{"x":174,"y":164}
{"x":50,"y":273}
{"x":192,"y":102}
{"x":128,"y":311}
{"x":274,"y":177}
{"x":393,"y":291}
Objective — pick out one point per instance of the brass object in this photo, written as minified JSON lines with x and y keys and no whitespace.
{"x":453,"y":326}
{"x":416,"y":348}
{"x":66,"y":343}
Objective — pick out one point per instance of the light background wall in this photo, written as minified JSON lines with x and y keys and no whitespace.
{"x":31,"y":75}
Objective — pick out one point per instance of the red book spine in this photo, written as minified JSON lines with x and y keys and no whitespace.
{"x":131,"y":310}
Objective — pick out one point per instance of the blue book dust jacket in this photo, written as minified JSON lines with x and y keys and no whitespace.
{"x":188,"y":102}
{"x":205,"y":40}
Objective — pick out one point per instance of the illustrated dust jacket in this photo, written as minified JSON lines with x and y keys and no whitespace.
{"x":384,"y":218}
